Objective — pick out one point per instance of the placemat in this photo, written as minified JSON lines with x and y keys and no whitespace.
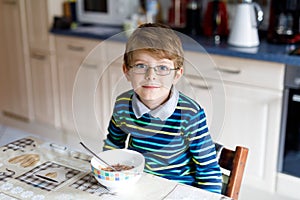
{"x":20,"y":144}
{"x":31,"y":177}
{"x":89,"y":184}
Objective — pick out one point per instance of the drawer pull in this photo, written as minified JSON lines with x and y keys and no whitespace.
{"x":229,"y":71}
{"x":203,"y":87}
{"x":75,"y":48}
{"x":90,"y":66}
{"x":38,"y":56}
{"x":10,"y":2}
{"x":296,"y":98}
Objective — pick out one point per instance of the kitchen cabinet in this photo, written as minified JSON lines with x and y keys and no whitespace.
{"x":111,"y":83}
{"x":37,"y":21}
{"x":39,"y":15}
{"x":43,"y":88}
{"x":251,"y":112}
{"x":16,"y":94}
{"x":71,"y":53}
{"x":90,"y":78}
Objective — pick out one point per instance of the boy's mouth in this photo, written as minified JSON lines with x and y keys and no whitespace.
{"x":150,"y":86}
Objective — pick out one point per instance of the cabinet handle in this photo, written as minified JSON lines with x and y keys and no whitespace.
{"x":75,"y":48}
{"x":10,"y":2}
{"x":296,"y":98}
{"x":38,"y":56}
{"x":203,"y":87}
{"x":200,"y":86}
{"x":90,"y":66}
{"x":229,"y":71}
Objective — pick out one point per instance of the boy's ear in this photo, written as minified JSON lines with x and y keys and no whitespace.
{"x":125,"y":71}
{"x":178,"y":75}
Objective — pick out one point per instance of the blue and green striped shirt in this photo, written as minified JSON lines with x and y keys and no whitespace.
{"x":179,"y":148}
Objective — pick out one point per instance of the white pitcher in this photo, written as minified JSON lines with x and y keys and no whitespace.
{"x":244,"y":29}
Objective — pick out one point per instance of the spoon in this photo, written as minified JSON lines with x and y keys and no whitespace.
{"x":108,"y":165}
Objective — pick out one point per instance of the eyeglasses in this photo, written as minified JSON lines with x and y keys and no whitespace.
{"x":160,"y":70}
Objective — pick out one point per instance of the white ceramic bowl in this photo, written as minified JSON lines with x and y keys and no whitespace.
{"x":118,"y":179}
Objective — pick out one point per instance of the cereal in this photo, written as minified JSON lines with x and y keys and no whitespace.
{"x":117,"y":167}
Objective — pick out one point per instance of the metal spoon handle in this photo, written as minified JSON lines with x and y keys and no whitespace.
{"x":97,"y":156}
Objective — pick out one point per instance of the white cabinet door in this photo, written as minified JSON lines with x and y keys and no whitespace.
{"x":43,"y":91}
{"x":111,"y":84}
{"x":242,"y":99}
{"x":71,"y":52}
{"x":37,"y":21}
{"x":252,"y":119}
{"x":14,"y":64}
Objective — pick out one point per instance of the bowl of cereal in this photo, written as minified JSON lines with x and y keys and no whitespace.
{"x":128,"y":166}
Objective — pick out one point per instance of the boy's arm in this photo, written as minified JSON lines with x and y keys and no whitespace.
{"x":116,"y":138}
{"x":208,"y":173}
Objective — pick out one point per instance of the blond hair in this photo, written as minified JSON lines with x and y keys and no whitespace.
{"x":159,"y":40}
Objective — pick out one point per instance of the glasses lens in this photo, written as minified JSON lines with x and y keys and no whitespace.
{"x":140,"y":68}
{"x":162,"y":70}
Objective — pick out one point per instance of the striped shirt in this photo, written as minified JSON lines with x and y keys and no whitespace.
{"x":179,"y":148}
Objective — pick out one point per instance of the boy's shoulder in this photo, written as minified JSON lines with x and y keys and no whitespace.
{"x":188,"y":103}
{"x":125,"y":95}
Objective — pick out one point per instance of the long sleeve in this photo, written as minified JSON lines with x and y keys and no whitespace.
{"x":208,"y":174}
{"x":116,"y":138}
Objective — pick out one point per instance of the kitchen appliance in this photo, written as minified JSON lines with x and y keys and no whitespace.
{"x":216,"y":19}
{"x":109,"y":12}
{"x":244,"y":30}
{"x":289,"y":156}
{"x":193,"y":17}
{"x":284,"y":22}
{"x":177,"y":14}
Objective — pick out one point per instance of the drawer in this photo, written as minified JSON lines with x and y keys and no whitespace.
{"x":236,"y":70}
{"x":79,"y":47}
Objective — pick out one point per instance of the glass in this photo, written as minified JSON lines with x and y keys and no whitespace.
{"x":160,"y":70}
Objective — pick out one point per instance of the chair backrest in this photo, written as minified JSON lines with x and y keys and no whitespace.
{"x":233,"y":161}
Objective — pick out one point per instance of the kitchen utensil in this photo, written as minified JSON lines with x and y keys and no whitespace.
{"x":103,"y":161}
{"x":244,"y":30}
{"x":215,"y":19}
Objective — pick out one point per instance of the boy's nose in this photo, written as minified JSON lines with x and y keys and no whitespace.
{"x":150,"y":74}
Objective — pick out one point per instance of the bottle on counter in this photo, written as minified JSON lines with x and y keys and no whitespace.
{"x":193,"y":17}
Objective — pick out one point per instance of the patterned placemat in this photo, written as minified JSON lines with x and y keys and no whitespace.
{"x":20,"y":144}
{"x":4,"y":175}
{"x":6,"y":197}
{"x":31,"y":177}
{"x":89,"y":184}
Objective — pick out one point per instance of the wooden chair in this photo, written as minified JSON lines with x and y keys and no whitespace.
{"x":234,"y":163}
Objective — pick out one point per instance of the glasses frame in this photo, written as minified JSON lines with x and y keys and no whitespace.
{"x":155,"y":69}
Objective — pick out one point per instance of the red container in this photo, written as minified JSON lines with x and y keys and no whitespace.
{"x":215,"y":19}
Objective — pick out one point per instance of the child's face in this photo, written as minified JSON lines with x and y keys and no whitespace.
{"x":152,"y":89}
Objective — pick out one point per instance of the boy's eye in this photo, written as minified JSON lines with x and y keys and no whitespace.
{"x":162,"y":68}
{"x":140,"y":66}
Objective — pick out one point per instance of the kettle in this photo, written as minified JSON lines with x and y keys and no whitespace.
{"x":244,"y":30}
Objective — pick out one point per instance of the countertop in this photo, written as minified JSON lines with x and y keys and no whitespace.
{"x":265,"y":51}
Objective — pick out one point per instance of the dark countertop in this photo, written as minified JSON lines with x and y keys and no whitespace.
{"x":265,"y":51}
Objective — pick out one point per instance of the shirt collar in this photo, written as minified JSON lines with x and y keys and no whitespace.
{"x":163,"y":112}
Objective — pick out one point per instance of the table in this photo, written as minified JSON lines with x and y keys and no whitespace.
{"x":31,"y":168}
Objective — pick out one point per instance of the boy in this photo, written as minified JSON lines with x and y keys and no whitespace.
{"x":163,"y":124}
